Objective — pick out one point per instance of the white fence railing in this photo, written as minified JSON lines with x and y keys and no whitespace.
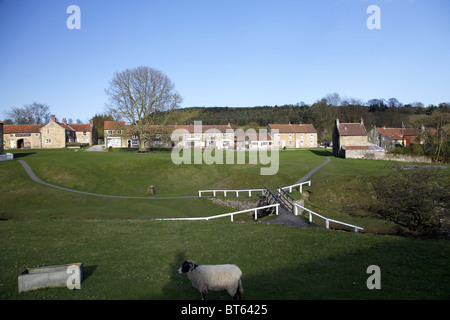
{"x":300,"y":185}
{"x":327,"y":221}
{"x":224,"y":192}
{"x":228,"y":214}
{"x":249,"y":192}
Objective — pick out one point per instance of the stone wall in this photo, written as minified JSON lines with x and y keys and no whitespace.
{"x":381,"y":155}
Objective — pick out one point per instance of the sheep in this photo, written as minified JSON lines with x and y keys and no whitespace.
{"x":214,"y":277}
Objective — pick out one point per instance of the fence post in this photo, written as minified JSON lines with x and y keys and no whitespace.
{"x":310,"y":217}
{"x":296,"y":210}
{"x":327,"y":224}
{"x":256,"y":214}
{"x":199,"y":194}
{"x":232,"y":217}
{"x":277,"y":209}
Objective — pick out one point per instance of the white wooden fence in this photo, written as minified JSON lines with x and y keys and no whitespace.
{"x":300,"y":185}
{"x":228,"y":214}
{"x":248,"y":191}
{"x":327,"y":221}
{"x":224,"y":192}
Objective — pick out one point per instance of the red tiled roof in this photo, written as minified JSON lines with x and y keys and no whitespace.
{"x":81,"y":127}
{"x":409,"y":135}
{"x":22,"y":128}
{"x":114,"y":125}
{"x":210,"y":128}
{"x":120,"y":125}
{"x":293,"y":128}
{"x":397,"y":133}
{"x":65,"y":126}
{"x":351,"y":129}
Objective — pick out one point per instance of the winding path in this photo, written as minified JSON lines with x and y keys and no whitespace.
{"x":36,"y":179}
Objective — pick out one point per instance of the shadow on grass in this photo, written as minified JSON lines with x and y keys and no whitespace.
{"x":22,"y":154}
{"x":323,"y":153}
{"x":340,"y":276}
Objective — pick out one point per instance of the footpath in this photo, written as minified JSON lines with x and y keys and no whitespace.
{"x":287,"y":218}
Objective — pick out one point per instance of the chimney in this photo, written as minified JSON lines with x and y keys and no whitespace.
{"x":53,"y":118}
{"x":64,"y":121}
{"x":362,"y":121}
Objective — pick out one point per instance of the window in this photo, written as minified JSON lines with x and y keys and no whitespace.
{"x":84,"y":133}
{"x":48,"y":131}
{"x":119,"y":131}
{"x":48,"y":141}
{"x":109,"y":131}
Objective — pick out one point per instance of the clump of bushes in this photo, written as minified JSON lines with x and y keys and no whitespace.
{"x":413,"y":149}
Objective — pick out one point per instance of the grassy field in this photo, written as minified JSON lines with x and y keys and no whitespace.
{"x":139,"y":260}
{"x":127,"y":256}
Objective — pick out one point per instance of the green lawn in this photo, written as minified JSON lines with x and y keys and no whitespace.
{"x":124,"y":172}
{"x":126,"y":256}
{"x":139,"y":260}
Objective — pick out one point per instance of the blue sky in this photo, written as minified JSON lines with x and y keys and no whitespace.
{"x":234,"y":53}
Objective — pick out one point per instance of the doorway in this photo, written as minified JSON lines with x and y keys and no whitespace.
{"x":20,"y":144}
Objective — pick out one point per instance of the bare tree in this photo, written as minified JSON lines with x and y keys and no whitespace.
{"x":35,"y":113}
{"x":144,"y":96}
{"x":436,"y":136}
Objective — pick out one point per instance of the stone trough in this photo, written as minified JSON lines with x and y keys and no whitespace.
{"x":51,"y":276}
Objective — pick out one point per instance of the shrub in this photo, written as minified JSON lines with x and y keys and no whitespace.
{"x":414,"y":199}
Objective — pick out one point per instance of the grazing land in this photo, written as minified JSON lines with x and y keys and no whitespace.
{"x":126,"y":255}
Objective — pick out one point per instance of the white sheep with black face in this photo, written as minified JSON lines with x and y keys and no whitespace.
{"x":214,"y":277}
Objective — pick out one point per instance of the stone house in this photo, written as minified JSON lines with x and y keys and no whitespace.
{"x":22,"y":136}
{"x":51,"y":135}
{"x":56,"y":135}
{"x":116,"y":136}
{"x":350,"y":140}
{"x":119,"y":135}
{"x":204,"y":136}
{"x":389,"y":138}
{"x":293,"y":135}
{"x":86,"y":134}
